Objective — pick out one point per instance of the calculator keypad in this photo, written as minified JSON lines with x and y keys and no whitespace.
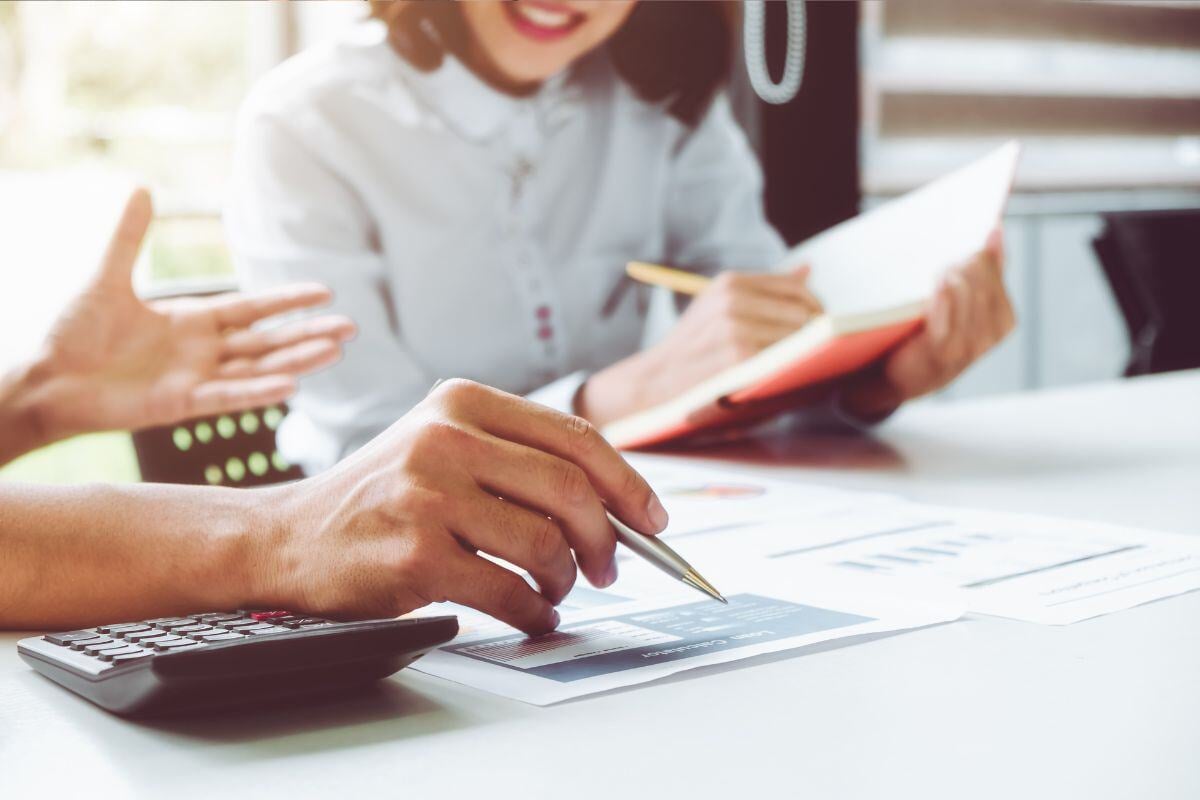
{"x":123,"y":643}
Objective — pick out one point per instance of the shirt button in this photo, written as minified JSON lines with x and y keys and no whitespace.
{"x":545,"y":332}
{"x":543,"y":313}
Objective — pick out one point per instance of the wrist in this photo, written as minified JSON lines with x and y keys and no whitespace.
{"x":26,"y":409}
{"x":247,"y":548}
{"x":619,"y":390}
{"x":866,"y":402}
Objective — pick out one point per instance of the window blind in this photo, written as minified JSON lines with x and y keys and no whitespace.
{"x":1105,"y":95}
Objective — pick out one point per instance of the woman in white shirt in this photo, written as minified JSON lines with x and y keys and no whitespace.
{"x":470,"y":179}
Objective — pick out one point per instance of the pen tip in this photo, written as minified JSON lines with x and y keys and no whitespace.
{"x":693,"y":579}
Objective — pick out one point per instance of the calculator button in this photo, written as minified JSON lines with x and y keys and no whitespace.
{"x":183,"y":623}
{"x":166,"y":620}
{"x":265,"y":630}
{"x":212,"y":619}
{"x":310,"y":622}
{"x":128,"y":630}
{"x":228,"y":636}
{"x":144,"y":635}
{"x":109,"y":655}
{"x":80,"y":644}
{"x":189,"y":629}
{"x":239,"y":623}
{"x":93,"y":649}
{"x":166,"y":637}
{"x":176,"y":645}
{"x":65,"y":639}
{"x":269,"y":615}
{"x":122,"y":627}
{"x":119,"y":659}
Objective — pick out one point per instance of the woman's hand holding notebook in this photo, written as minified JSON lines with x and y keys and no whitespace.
{"x":932,"y":255}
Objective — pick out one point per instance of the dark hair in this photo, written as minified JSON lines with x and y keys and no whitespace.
{"x":675,"y":52}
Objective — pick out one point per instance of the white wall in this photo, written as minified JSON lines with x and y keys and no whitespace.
{"x":1069,"y":327}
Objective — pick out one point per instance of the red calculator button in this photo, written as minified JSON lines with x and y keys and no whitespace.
{"x":261,"y":615}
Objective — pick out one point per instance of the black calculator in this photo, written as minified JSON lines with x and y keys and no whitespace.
{"x":218,"y":659}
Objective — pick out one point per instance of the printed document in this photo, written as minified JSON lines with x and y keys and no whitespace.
{"x":803,"y":564}
{"x":605,"y":644}
{"x":1027,"y":567}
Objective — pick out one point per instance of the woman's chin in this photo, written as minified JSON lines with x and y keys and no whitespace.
{"x":528,"y":72}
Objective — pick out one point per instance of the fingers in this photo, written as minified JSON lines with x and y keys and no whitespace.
{"x":299,"y":359}
{"x":788,"y":287}
{"x":747,"y":338}
{"x":556,"y":488}
{"x":487,"y":587}
{"x":116,"y":267}
{"x":792,"y":284}
{"x":999,"y":308}
{"x":243,"y":310}
{"x":225,"y":396}
{"x":957,"y":344}
{"x":572,"y":438}
{"x":995,"y":247}
{"x":530,"y":540}
{"x":1003,"y":316}
{"x":249,"y":342}
{"x":981,"y":335}
{"x":787,"y":313}
{"x":941,"y":311}
{"x":761,"y":309}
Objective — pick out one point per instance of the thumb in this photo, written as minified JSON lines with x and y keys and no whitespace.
{"x":995,"y":245}
{"x":116,"y":267}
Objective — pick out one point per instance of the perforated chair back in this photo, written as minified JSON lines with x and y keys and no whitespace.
{"x":228,"y":450}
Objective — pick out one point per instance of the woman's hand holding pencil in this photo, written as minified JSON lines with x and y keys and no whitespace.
{"x":734,"y":316}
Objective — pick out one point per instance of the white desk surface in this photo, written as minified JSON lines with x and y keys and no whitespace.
{"x":979,"y":708}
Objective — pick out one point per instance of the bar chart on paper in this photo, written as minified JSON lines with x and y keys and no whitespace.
{"x":969,"y":556}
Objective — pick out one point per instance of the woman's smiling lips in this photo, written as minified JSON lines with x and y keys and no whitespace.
{"x":543,"y":21}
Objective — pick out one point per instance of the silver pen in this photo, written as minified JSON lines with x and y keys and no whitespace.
{"x":660,"y":555}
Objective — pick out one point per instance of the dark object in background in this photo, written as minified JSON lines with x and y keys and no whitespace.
{"x":809,"y":147}
{"x":1152,"y":261}
{"x":227,"y":449}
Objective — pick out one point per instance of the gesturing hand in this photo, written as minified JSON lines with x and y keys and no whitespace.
{"x":113,"y":361}
{"x":397,"y":525}
{"x":968,"y":315}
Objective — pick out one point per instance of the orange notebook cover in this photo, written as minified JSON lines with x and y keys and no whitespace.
{"x":824,"y":349}
{"x":872,"y":274}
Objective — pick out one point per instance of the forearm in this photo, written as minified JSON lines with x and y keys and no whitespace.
{"x":22,"y":428}
{"x":626,"y":387}
{"x":77,"y":556}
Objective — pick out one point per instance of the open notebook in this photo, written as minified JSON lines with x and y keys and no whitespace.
{"x":873,"y":274}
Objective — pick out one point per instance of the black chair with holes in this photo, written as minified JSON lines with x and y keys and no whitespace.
{"x":227,"y":450}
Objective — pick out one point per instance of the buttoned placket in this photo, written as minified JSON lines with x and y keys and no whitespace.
{"x":527,"y":135}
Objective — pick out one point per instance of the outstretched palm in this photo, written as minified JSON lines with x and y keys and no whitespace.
{"x":119,"y":362}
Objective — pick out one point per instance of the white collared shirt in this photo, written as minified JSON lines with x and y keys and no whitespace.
{"x":470,"y":233}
